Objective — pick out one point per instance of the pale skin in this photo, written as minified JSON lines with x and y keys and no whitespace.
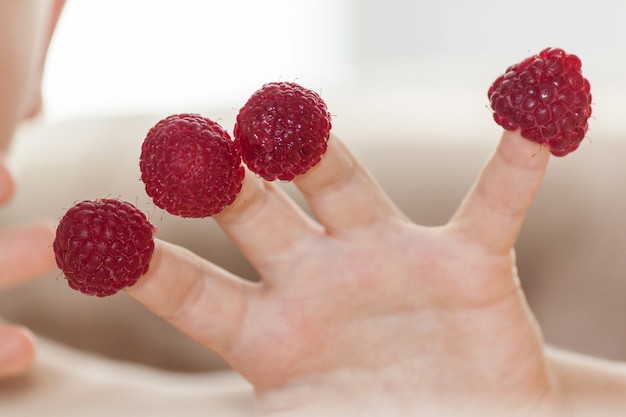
{"x":24,"y":254}
{"x":363,"y":311}
{"x":26,"y":27}
{"x":360,"y":311}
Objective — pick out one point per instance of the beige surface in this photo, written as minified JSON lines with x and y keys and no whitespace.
{"x":72,"y":384}
{"x":570,"y":252}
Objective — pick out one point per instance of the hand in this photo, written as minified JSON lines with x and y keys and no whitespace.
{"x":364,"y":309}
{"x":25,"y":252}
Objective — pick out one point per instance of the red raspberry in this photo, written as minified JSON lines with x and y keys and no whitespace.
{"x":190,"y":166}
{"x":103,"y":246}
{"x":547,"y":97}
{"x":282,"y":130}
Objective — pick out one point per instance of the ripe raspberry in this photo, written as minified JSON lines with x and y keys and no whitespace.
{"x":190,"y":166}
{"x":103,"y":246}
{"x":547,"y":97}
{"x":282,"y":130}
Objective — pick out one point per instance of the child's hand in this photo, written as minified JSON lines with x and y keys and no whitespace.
{"x":362,"y":308}
{"x":25,"y":252}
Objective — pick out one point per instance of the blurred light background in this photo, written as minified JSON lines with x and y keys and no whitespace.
{"x":394,"y":59}
{"x":121,"y":55}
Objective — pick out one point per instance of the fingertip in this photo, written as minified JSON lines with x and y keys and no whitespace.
{"x":146,"y":289}
{"x":517,"y":151}
{"x":44,"y":233}
{"x":26,"y":252}
{"x":336,"y":166}
{"x":495,"y":207}
{"x":252,"y":192}
{"x":40,"y":258}
{"x":17,"y":350}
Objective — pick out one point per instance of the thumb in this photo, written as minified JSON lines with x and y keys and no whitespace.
{"x":494,"y":209}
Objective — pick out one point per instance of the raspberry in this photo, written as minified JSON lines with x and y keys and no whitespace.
{"x":282,"y":130}
{"x":547,"y":97}
{"x":103,"y":246}
{"x":190,"y":166}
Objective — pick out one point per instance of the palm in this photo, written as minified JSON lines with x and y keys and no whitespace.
{"x":365,"y":295}
{"x":342,"y":314}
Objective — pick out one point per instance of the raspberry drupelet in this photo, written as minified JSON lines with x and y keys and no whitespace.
{"x":190,"y":166}
{"x":283,"y":130}
{"x":103,"y":246}
{"x":547,"y":97}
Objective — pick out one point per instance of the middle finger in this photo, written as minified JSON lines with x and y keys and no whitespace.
{"x":264,"y":222}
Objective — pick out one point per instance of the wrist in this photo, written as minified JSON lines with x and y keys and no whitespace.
{"x":588,"y":386}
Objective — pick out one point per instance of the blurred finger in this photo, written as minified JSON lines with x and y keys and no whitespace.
{"x":25,"y":252}
{"x":17,"y":350}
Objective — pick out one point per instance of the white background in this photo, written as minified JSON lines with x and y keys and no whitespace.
{"x":392,"y":58}
{"x":120,"y":55}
